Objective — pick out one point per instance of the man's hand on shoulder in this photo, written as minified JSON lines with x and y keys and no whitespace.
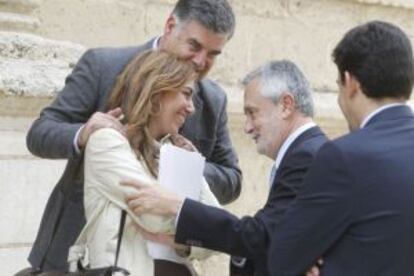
{"x":151,"y":199}
{"x":100,"y":120}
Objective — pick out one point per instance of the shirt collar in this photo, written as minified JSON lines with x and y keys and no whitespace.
{"x":291,"y":138}
{"x":156,"y":43}
{"x":376,"y":111}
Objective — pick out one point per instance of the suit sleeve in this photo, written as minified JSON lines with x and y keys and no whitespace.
{"x":52,"y":134}
{"x":208,"y":198}
{"x":108,"y":160}
{"x":318,"y":218}
{"x":249,"y":236}
{"x":222,"y":171}
{"x":217,"y":229}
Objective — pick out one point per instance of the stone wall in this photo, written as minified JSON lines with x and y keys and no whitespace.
{"x":40,"y":40}
{"x":304,"y":31}
{"x":275,"y":29}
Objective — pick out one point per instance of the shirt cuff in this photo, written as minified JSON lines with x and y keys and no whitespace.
{"x":75,"y":141}
{"x":177,"y":217}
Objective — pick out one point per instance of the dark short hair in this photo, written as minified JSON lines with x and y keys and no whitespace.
{"x":379,"y":55}
{"x":215,"y":15}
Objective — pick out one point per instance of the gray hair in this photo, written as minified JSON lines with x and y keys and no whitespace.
{"x":215,"y":15}
{"x":278,"y":77}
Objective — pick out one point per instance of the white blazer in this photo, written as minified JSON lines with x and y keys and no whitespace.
{"x":108,"y":159}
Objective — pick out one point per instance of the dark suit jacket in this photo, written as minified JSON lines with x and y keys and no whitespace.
{"x":356,"y":209}
{"x":217,"y":229}
{"x":86,"y":91}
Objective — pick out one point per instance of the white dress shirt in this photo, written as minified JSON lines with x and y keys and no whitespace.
{"x":285,"y":146}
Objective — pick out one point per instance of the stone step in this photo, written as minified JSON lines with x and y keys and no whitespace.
{"x":17,"y":22}
{"x":33,"y":78}
{"x":13,"y":145}
{"x":20,"y":124}
{"x":408,"y":4}
{"x":19,"y":6}
{"x":16,"y":45}
{"x":26,"y":186}
{"x":13,"y":137}
{"x":13,"y":259}
{"x":20,"y":106}
{"x":33,"y":68}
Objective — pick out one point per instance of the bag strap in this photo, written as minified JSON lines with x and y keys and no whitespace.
{"x":120,"y":234}
{"x":77,"y":251}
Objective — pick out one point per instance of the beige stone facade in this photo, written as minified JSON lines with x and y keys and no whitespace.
{"x":40,"y":40}
{"x":304,"y":31}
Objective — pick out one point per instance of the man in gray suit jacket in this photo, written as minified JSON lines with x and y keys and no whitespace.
{"x":195,"y":30}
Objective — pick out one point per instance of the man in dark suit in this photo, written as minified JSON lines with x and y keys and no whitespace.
{"x":279,"y":108}
{"x":195,"y":30}
{"x":356,"y":208}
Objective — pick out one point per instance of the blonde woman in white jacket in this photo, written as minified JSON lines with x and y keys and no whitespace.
{"x":155,"y":94}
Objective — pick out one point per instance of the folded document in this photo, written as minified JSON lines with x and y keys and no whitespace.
{"x":180,"y":171}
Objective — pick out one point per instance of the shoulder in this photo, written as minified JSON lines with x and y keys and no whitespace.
{"x":338,"y":151}
{"x":211,"y":92}
{"x":306,"y":149}
{"x":115,"y":56}
{"x":105,"y":139}
{"x":354,"y":143}
{"x":112,"y":56}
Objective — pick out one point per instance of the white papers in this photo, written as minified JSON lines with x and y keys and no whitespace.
{"x":180,"y":171}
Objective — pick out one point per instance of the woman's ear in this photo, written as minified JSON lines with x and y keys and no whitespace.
{"x":156,"y":104}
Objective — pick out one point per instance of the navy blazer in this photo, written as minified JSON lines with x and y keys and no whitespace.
{"x":217,"y":229}
{"x":356,"y":209}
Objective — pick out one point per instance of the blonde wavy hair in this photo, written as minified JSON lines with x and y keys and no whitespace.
{"x":138,"y":90}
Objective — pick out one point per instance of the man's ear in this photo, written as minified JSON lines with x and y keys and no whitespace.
{"x":351,"y":84}
{"x":288,"y":104}
{"x":170,"y":24}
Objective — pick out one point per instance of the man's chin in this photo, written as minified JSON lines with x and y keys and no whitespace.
{"x":260,"y":149}
{"x":202,"y":74}
{"x":352,"y":127}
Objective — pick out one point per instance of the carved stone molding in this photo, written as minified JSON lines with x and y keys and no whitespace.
{"x":33,"y":66}
{"x":408,"y":4}
{"x":19,"y":6}
{"x":16,"y":15}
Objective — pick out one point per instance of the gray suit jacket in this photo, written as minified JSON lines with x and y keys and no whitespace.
{"x":86,"y":91}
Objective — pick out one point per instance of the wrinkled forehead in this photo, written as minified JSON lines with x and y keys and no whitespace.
{"x":193,"y":30}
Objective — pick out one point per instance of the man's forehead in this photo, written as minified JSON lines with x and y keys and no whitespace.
{"x":202,"y":35}
{"x":251,"y":100}
{"x":253,"y":88}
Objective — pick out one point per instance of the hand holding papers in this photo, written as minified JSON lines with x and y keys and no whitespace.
{"x":180,"y":171}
